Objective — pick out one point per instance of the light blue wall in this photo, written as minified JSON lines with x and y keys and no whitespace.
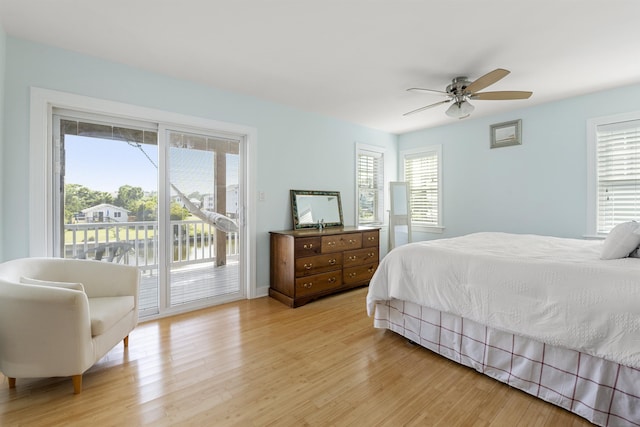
{"x":538,"y":187}
{"x":296,"y":149}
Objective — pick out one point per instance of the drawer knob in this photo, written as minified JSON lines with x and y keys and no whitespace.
{"x":351,"y":241}
{"x":332,"y":280}
{"x":331,"y":243}
{"x":371,"y":239}
{"x":332,"y":261}
{"x":371,"y":269}
{"x":308,"y":285}
{"x":308,"y":266}
{"x":353,"y":274}
{"x":371,"y":254}
{"x":352,"y":257}
{"x":308,"y":245}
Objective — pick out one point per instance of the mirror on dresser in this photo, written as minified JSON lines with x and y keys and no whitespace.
{"x":316,"y":209}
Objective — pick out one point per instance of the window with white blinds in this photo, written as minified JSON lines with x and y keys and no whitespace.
{"x":370,"y":184}
{"x":618,"y":173}
{"x":421,"y":169}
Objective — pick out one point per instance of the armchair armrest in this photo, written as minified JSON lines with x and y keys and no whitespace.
{"x":49,"y":330}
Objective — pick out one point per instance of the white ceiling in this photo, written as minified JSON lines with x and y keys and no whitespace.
{"x":353,"y":59}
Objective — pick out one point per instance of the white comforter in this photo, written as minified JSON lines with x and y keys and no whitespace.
{"x":550,"y":289}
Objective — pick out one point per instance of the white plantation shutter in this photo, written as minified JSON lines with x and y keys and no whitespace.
{"x":422,"y":172}
{"x":618,"y":171}
{"x":370,"y":186}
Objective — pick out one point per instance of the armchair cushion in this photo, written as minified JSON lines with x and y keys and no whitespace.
{"x":107,"y":311}
{"x":67,"y":285}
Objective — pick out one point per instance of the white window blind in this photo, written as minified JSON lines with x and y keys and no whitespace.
{"x":618,"y":171}
{"x":370,"y":184}
{"x":421,"y":171}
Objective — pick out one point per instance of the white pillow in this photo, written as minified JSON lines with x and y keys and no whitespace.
{"x":636,"y":252}
{"x":621,"y":241}
{"x":67,"y":285}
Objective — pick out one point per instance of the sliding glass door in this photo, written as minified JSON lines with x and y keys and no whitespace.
{"x":166,"y":201}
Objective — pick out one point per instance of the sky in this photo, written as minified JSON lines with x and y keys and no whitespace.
{"x":106,"y":165}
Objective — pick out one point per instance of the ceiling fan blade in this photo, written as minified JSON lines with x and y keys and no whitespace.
{"x":488,"y":79}
{"x":427,"y":107}
{"x":501,"y":95}
{"x":419,"y":89}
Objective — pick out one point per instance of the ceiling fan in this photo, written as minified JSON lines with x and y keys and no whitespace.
{"x":461,"y":90}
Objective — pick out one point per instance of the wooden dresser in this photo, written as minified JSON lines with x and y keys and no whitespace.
{"x":308,"y":264}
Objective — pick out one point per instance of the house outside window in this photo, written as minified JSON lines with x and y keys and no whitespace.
{"x":370,"y":184}
{"x":422,"y":169}
{"x":613,"y":172}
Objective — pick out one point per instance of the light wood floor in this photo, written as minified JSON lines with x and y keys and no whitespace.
{"x":260,"y":363}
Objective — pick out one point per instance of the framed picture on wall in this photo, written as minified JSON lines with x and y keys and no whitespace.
{"x":506,"y":134}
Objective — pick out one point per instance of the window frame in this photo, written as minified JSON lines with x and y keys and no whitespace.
{"x":378,"y":152}
{"x":430,"y":150}
{"x":592,"y":167}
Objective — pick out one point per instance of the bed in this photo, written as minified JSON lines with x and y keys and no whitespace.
{"x":543,"y":314}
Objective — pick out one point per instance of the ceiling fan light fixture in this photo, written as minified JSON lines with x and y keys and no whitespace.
{"x":459,"y":110}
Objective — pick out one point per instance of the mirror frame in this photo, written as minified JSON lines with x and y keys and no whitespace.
{"x":294,"y":208}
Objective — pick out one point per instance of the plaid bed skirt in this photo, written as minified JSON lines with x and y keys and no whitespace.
{"x":603,"y":392}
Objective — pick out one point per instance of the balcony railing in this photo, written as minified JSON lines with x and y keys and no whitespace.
{"x":136,"y":243}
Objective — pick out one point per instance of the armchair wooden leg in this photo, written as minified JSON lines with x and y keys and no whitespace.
{"x":77,"y":383}
{"x":12,"y":382}
{"x":126,"y":341}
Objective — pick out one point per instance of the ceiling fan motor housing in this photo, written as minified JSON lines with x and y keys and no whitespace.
{"x":458,"y":85}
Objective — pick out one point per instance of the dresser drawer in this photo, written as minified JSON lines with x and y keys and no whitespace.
{"x":317,"y":264}
{"x":318,"y":283}
{"x":307,"y":246}
{"x":360,"y":256}
{"x":341,"y":242}
{"x":370,"y":239}
{"x":361,"y":273}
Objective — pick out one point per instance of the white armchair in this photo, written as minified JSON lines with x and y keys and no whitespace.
{"x":60,"y":316}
